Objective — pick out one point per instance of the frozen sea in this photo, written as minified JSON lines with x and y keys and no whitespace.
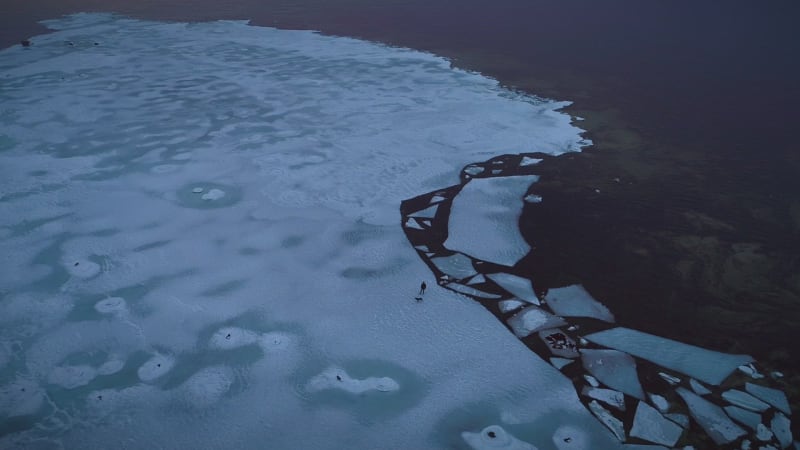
{"x":201,"y":246}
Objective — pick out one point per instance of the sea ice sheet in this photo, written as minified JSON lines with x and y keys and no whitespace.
{"x":711,"y":417}
{"x":615,"y":369}
{"x":520,"y":287}
{"x":533,"y":319}
{"x":705,"y":365}
{"x":575,"y":301}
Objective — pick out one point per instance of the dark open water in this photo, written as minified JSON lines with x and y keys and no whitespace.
{"x":692,"y":105}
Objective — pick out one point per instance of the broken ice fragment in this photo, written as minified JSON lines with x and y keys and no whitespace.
{"x":749,"y":369}
{"x":607,"y":419}
{"x":574,"y":301}
{"x":659,"y":402}
{"x":744,"y":400}
{"x":463,"y":289}
{"x":680,"y":419}
{"x":411,"y":223}
{"x":560,"y":363}
{"x":533,"y":319}
{"x":774,"y":397}
{"x":650,"y":425}
{"x":457,"y":266}
{"x":520,"y":287}
{"x":743,"y":416}
{"x":507,"y":306}
{"x":615,"y":369}
{"x":781,"y":426}
{"x":477,"y":279}
{"x":474,"y":170}
{"x":669,"y":378}
{"x":427,"y":213}
{"x":591,"y":380}
{"x":711,"y":418}
{"x":533,"y":198}
{"x":437,"y":199}
{"x":763,"y":433}
{"x":197,"y":190}
{"x":705,"y":365}
{"x":610,"y":397}
{"x":528,"y":161}
{"x":698,"y":388}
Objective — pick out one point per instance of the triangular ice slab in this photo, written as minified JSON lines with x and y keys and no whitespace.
{"x":744,"y":400}
{"x":608,"y":419}
{"x":456,"y":266}
{"x":520,"y":287}
{"x":610,"y":397}
{"x":560,"y":363}
{"x":477,"y":279}
{"x":698,"y":388}
{"x":427,"y":213}
{"x":705,"y":365}
{"x":528,"y":161}
{"x":533,"y":319}
{"x":574,"y":301}
{"x":411,"y":223}
{"x":743,"y":416}
{"x":781,"y":427}
{"x":711,"y":418}
{"x":650,"y":425}
{"x":510,"y":305}
{"x":615,"y":369}
{"x":774,"y":397}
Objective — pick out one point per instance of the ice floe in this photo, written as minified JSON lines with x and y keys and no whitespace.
{"x":520,"y":287}
{"x":608,"y":419}
{"x":533,"y":319}
{"x":506,"y":306}
{"x":781,"y":427}
{"x":457,"y":265}
{"x":744,"y":400}
{"x":610,"y":397}
{"x":748,"y":418}
{"x":772,"y":396}
{"x":711,"y":417}
{"x":650,"y":425}
{"x":574,"y":301}
{"x":615,"y":369}
{"x":484,"y":219}
{"x":702,"y":364}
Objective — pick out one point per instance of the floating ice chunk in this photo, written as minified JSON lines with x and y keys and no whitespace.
{"x":610,"y":397}
{"x":457,"y":265}
{"x":463,"y":289}
{"x":743,"y":416}
{"x":520,"y":287}
{"x":744,"y":400}
{"x":650,"y":425}
{"x":213,"y":194}
{"x":533,"y":319}
{"x":155,"y":367}
{"x":560,"y":363}
{"x":774,"y":397}
{"x":208,"y":386}
{"x":776,"y":375}
{"x":197,"y":190}
{"x":705,"y":365}
{"x":528,"y":161}
{"x":510,"y":305}
{"x":592,"y":381}
{"x":437,"y":199}
{"x":574,"y":301}
{"x":711,"y":418}
{"x":335,"y":378}
{"x":82,"y":268}
{"x":749,"y":369}
{"x":763,"y":433}
{"x":559,"y":343}
{"x":533,"y":198}
{"x":782,"y":428}
{"x":608,"y":419}
{"x":427,"y":213}
{"x":680,"y":419}
{"x":112,"y":366}
{"x":411,"y":223}
{"x":614,"y":369}
{"x":474,"y":170}
{"x":477,"y":279}
{"x":228,"y":338}
{"x":21,"y":397}
{"x":659,"y":402}
{"x":493,"y":437}
{"x":70,"y":377}
{"x":111,"y":305}
{"x":669,"y":378}
{"x":422,"y":248}
{"x":698,"y":388}
{"x":484,"y":219}
{"x":569,"y":437}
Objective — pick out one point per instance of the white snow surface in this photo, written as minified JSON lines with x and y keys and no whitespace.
{"x":484,"y":219}
{"x":314,"y":141}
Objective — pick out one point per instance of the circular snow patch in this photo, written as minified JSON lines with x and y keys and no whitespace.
{"x":82,"y":268}
{"x":213,"y":194}
{"x":112,"y":305}
{"x":275,"y":341}
{"x":336,"y":378}
{"x":208,"y":386}
{"x":155,"y":367}
{"x":568,"y":437}
{"x":493,"y":437}
{"x":113,"y":365}
{"x":206,"y":195}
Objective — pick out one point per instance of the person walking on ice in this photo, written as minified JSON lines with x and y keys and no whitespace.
{"x":422,"y":288}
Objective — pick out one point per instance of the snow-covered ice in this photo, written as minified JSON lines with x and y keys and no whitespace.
{"x":533,"y":319}
{"x":650,"y":425}
{"x":748,"y":418}
{"x":520,"y":287}
{"x":610,"y":397}
{"x":744,"y":400}
{"x":494,"y":437}
{"x":615,"y":369}
{"x":772,"y":396}
{"x":711,"y":417}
